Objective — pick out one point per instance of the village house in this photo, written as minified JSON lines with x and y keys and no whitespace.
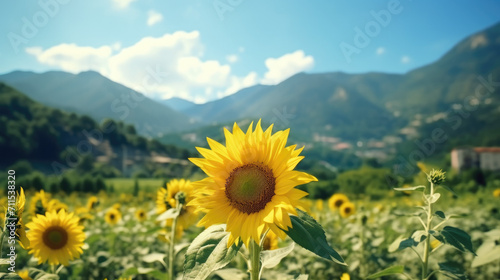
{"x":484,"y":158}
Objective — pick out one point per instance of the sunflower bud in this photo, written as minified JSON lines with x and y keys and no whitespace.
{"x":436,"y":176}
{"x":181,"y":198}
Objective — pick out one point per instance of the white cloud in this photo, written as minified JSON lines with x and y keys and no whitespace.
{"x":154,"y":17}
{"x":166,"y":66}
{"x":122,"y":4}
{"x":380,"y":51}
{"x":279,"y":69}
{"x":238,"y":83}
{"x":73,"y":58}
{"x":405,"y":59}
{"x":232,"y":58}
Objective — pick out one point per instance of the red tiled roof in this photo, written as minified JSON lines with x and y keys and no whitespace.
{"x":487,"y":150}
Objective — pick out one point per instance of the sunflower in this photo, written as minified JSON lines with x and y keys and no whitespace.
{"x":337,"y":200}
{"x":20,"y":228}
{"x":55,"y":237}
{"x":496,"y":193}
{"x":319,"y":204}
{"x":162,"y":204}
{"x":39,"y":203}
{"x":251,"y":183}
{"x":270,"y":241}
{"x":345,"y":276}
{"x":56,"y":205}
{"x":92,"y":202}
{"x":113,"y":216}
{"x":24,"y":274}
{"x":141,"y":215}
{"x":187,"y":216}
{"x":347,"y":209}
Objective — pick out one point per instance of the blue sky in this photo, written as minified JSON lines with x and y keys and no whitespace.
{"x":206,"y":49}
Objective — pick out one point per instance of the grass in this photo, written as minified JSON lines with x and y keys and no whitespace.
{"x":126,"y":185}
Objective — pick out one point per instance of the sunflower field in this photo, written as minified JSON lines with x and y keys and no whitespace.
{"x":248,"y":219}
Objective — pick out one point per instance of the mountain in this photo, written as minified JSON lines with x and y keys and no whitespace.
{"x":55,"y":141}
{"x":229,"y":108}
{"x":177,"y":103}
{"x":451,"y":79}
{"x":92,"y":94}
{"x":369,"y":104}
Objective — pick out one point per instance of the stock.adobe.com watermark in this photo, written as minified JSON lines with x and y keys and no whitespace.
{"x":371,"y":29}
{"x":11,"y":221}
{"x":223,"y":6}
{"x":30,"y":26}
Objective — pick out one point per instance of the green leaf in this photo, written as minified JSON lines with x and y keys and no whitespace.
{"x":169,"y":214}
{"x":208,"y":252}
{"x":8,"y":276}
{"x":37,"y":274}
{"x":440,"y":214}
{"x":456,"y":238}
{"x":154,"y":257}
{"x":419,"y":236}
{"x":310,"y":235}
{"x":145,"y":271}
{"x":448,"y":189}
{"x":397,"y":269}
{"x":433,"y":198}
{"x":489,"y":251}
{"x":230,"y":274}
{"x":272,"y":258}
{"x":409,"y":188}
{"x":452,"y":270}
{"x":401,"y":244}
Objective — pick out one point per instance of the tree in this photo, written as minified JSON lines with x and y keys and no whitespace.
{"x":135,"y":192}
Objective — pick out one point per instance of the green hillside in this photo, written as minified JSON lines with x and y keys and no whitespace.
{"x":92,"y":94}
{"x":44,"y":136}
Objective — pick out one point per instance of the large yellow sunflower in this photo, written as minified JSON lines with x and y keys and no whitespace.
{"x":55,"y":237}
{"x":113,"y":216}
{"x":337,"y":200}
{"x":251,"y":183}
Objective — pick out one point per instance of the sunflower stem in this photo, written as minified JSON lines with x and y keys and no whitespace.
{"x":427,"y":244}
{"x":172,"y":244}
{"x":254,"y":260}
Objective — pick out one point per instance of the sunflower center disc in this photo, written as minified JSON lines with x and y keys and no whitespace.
{"x":55,"y":237}
{"x":250,"y":187}
{"x":339,"y":202}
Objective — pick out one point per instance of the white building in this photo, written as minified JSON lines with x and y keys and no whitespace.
{"x":485,"y":158}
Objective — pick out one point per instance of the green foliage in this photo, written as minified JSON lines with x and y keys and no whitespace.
{"x":309,"y":234}
{"x":208,"y":252}
{"x":397,"y":269}
{"x":366,"y":180}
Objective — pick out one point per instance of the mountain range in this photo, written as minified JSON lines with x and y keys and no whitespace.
{"x":92,"y":94}
{"x":350,"y":106}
